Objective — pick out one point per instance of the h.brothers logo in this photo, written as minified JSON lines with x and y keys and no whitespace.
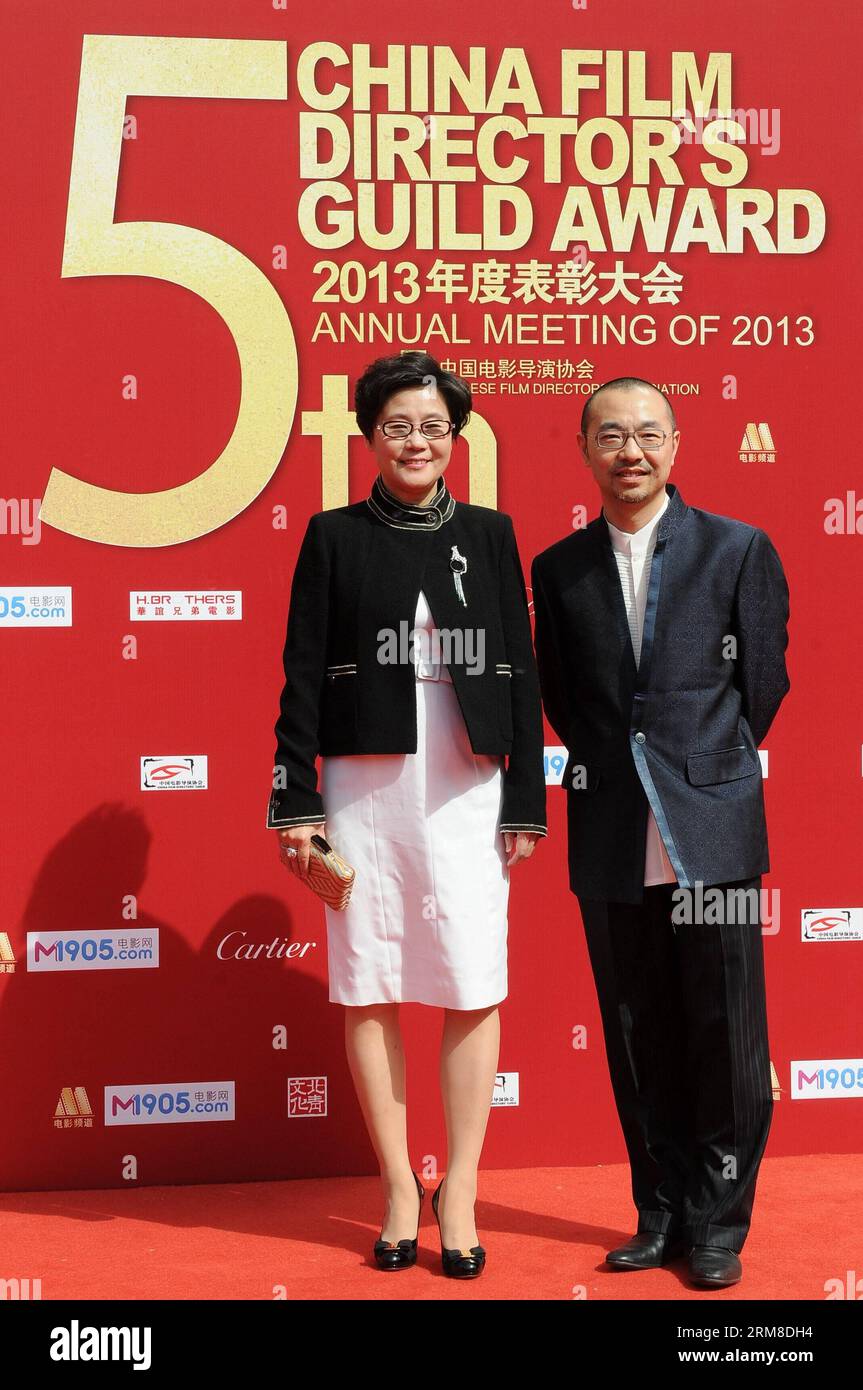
{"x":190,"y":605}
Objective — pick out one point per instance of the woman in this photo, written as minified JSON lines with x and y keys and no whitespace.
{"x":409,"y":667}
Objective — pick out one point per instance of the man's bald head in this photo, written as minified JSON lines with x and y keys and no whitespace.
{"x":625,"y":383}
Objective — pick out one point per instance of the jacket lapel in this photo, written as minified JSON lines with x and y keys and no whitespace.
{"x":607,"y":564}
{"x":610,"y":578}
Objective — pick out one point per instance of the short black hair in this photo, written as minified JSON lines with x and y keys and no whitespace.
{"x":389,"y":375}
{"x":624,"y":383}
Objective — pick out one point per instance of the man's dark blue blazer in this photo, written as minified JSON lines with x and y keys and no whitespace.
{"x":681,"y":732}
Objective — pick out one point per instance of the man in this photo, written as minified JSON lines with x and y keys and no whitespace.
{"x":660,"y":638}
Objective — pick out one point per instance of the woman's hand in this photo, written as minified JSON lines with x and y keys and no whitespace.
{"x":297,"y":837}
{"x":519,"y":845}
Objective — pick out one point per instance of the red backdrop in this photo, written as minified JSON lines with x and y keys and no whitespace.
{"x":88,"y":853}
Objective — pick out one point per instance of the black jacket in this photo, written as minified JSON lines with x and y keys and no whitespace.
{"x":681,"y":733}
{"x":360,"y":570}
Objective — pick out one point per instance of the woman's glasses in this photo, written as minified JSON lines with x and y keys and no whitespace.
{"x":401,"y":429}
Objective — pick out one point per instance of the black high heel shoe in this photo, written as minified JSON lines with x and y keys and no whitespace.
{"x":403,"y":1253}
{"x":459,"y":1264}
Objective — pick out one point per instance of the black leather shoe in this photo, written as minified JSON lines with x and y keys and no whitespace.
{"x":459,"y":1264}
{"x":400,"y":1254}
{"x":646,"y":1250}
{"x":714,"y":1267}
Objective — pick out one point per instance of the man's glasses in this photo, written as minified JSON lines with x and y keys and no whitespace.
{"x":400,"y":429}
{"x":645,"y":439}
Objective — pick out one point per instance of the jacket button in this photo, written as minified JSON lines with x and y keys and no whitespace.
{"x":432,"y":518}
{"x":640,"y":737}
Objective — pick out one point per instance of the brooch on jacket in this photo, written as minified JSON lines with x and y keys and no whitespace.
{"x":458,"y":565}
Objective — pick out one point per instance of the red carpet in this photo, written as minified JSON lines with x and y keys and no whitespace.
{"x":545,"y":1229}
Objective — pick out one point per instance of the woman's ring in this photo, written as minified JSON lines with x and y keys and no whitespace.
{"x":292,"y":852}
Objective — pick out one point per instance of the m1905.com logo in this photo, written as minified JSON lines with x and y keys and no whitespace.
{"x":44,"y":605}
{"x":834,"y":1078}
{"x":831,"y":924}
{"x":554,"y":760}
{"x":81,"y":950}
{"x":166,"y":1103}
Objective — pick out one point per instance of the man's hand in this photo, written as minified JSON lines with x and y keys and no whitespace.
{"x":297,"y":837}
{"x":521,"y":843}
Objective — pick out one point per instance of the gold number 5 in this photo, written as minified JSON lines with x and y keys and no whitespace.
{"x":112,"y":68}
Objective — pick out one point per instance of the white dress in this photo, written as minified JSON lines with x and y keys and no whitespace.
{"x":427,"y":920}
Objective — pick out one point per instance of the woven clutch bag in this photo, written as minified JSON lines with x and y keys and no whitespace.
{"x":329,"y":875}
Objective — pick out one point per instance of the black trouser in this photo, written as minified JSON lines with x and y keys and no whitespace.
{"x":685,"y":1022}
